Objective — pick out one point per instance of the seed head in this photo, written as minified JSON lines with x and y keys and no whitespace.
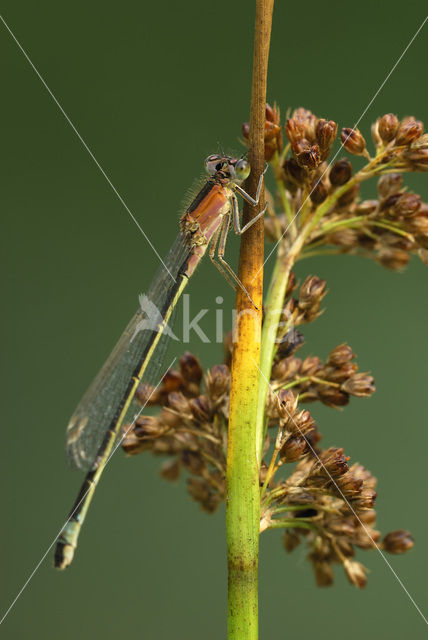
{"x":360,"y":385}
{"x":323,"y":571}
{"x":387,"y":127}
{"x":340,"y":172}
{"x":398,"y":541}
{"x":287,"y":403}
{"x":406,"y":205}
{"x":217,"y":381}
{"x":293,"y":172}
{"x":179,"y":403}
{"x":311,"y":294}
{"x":190,"y":368}
{"x":340,"y":355}
{"x":170,"y":469}
{"x":290,"y":540}
{"x":348,"y":198}
{"x":395,"y":259}
{"x":319,"y":192}
{"x":326,"y":132}
{"x":200,"y":408}
{"x":365,"y":499}
{"x":333,"y":462}
{"x":307,"y":155}
{"x":148,"y":428}
{"x":353,"y":141}
{"x":409,"y":130}
{"x":355,"y":572}
{"x":273,"y":132}
{"x":333,"y":397}
{"x":286,"y":368}
{"x":293,"y":449}
{"x":389,"y":184}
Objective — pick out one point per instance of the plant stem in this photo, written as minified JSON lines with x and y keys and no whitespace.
{"x":273,"y":309}
{"x":242,"y":477}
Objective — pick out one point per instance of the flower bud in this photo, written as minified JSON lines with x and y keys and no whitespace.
{"x":293,"y":449}
{"x":388,"y":184}
{"x":326,"y":132}
{"x":319,"y":192}
{"x":170,"y":470}
{"x":179,"y":403}
{"x":286,"y":368}
{"x":293,"y":171}
{"x":200,"y":408}
{"x":387,"y":127}
{"x":193,"y":462}
{"x":395,"y":259}
{"x":342,"y":373}
{"x":295,"y":130}
{"x":360,"y":385}
{"x":307,"y":155}
{"x":172,"y":381}
{"x":310,"y":366}
{"x":290,"y":540}
{"x":406,"y":206}
{"x":353,"y":141}
{"x":273,"y":133}
{"x":323,"y":572}
{"x":417,"y":154}
{"x":355,"y":572}
{"x":333,"y":397}
{"x":377,"y":140}
{"x":148,"y":395}
{"x":366,"y":207}
{"x":340,"y":172}
{"x":349,"y":484}
{"x":217,"y":381}
{"x":148,"y":427}
{"x":398,"y":541}
{"x":349,"y":197}
{"x":423,"y":255}
{"x":287,"y":402}
{"x":302,"y":423}
{"x":340,"y":355}
{"x":292,"y":341}
{"x":333,"y":462}
{"x":307,"y":120}
{"x":344,"y":237}
{"x":291,"y":284}
{"x":311,"y":292}
{"x":365,"y":500}
{"x":408,"y":130}
{"x":190,"y":368}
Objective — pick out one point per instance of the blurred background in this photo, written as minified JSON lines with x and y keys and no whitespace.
{"x":153,"y":88}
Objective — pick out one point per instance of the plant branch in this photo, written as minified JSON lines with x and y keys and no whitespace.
{"x":243,"y":499}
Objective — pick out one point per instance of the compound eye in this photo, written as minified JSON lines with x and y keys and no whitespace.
{"x":212,"y":164}
{"x":242,"y":169}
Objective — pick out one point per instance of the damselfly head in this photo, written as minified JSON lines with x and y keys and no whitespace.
{"x":234,"y":169}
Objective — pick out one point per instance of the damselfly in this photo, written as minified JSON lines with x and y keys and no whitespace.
{"x":95,"y":425}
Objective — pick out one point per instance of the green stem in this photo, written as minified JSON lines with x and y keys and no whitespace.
{"x":275,"y":162}
{"x":273,"y":310}
{"x":292,"y":524}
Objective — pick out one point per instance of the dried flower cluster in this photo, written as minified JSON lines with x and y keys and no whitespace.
{"x":327,"y":503}
{"x":323,"y":501}
{"x":191,"y":428}
{"x":325,"y":197}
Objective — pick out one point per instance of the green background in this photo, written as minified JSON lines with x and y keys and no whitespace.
{"x":153,"y":88}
